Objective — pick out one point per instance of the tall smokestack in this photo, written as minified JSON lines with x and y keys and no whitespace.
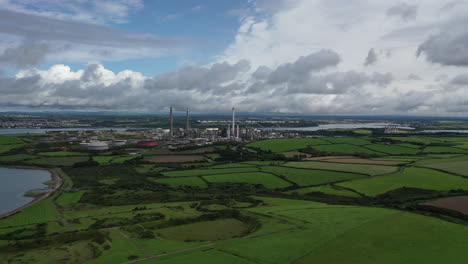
{"x":171,"y":121}
{"x":228,"y":131}
{"x":188,"y":120}
{"x":233,"y":122}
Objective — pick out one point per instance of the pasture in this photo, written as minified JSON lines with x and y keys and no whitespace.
{"x":457,"y":167}
{"x":328,"y":189}
{"x":174,"y":158}
{"x":356,"y":168}
{"x":201,"y":172}
{"x":283,"y":145}
{"x":409,"y":177}
{"x":307,"y":177}
{"x":185,"y":181}
{"x":346,"y":149}
{"x":62,"y":154}
{"x":393,"y":149}
{"x":268,"y":180}
{"x":205,"y":231}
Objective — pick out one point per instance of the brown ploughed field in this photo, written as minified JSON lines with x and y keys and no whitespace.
{"x":459,"y":204}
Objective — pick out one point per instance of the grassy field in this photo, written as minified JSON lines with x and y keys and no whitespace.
{"x":349,"y":140}
{"x":417,"y":140}
{"x":397,"y":238}
{"x":400,"y":158}
{"x":70,"y":198}
{"x":121,"y":249}
{"x":268,"y":180}
{"x":106,"y":160}
{"x":43,"y":211}
{"x":62,"y":154}
{"x":356,"y":168}
{"x":410,"y":177}
{"x":393,"y":149}
{"x":444,"y":150}
{"x":340,"y":229}
{"x":201,"y":172}
{"x":306,"y":177}
{"x":8,"y":140}
{"x":185,"y":181}
{"x":210,"y":256}
{"x":205,"y":231}
{"x":17,"y":157}
{"x":458,"y":167}
{"x":57,"y":161}
{"x":5,"y":148}
{"x":345,"y":149}
{"x":283,"y":145}
{"x":328,"y":189}
{"x":232,"y":165}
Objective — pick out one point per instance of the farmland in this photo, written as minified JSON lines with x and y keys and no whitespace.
{"x":356,"y":168}
{"x":283,"y":145}
{"x":265,"y":179}
{"x":410,"y":177}
{"x":364,"y":199}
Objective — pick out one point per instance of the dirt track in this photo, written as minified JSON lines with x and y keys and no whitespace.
{"x":55,"y":177}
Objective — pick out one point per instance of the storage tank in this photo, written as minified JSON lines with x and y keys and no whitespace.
{"x":98,"y":145}
{"x":119,"y":142}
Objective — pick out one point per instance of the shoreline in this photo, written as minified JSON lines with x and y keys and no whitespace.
{"x":54,"y":177}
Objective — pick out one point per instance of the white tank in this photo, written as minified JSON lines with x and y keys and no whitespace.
{"x":98,"y":145}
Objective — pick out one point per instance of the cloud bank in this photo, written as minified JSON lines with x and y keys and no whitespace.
{"x":292,"y":56}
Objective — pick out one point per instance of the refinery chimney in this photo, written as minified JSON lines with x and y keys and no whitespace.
{"x":171,"y":121}
{"x":188,"y":120}
{"x":233,"y":122}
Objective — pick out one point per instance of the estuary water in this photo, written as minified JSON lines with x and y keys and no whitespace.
{"x":340,"y":126}
{"x":14,"y":183}
{"x":8,"y":131}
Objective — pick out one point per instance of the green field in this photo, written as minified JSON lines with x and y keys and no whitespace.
{"x":62,"y":154}
{"x":306,"y":177}
{"x":185,"y":181}
{"x":210,"y":256}
{"x":397,"y":238}
{"x":235,"y":211}
{"x":268,"y":180}
{"x":121,"y":249}
{"x":393,"y":149}
{"x":106,"y":160}
{"x":347,"y":140}
{"x":5,"y":148}
{"x":57,"y":161}
{"x":345,"y":149}
{"x":283,"y":145}
{"x":410,"y":177}
{"x":458,"y":167}
{"x":205,"y":231}
{"x":356,"y":168}
{"x":43,"y":211}
{"x":232,"y":165}
{"x":17,"y":157}
{"x":444,"y":150}
{"x":417,"y":140}
{"x":70,"y":198}
{"x":201,"y":172}
{"x":6,"y":140}
{"x":328,"y":189}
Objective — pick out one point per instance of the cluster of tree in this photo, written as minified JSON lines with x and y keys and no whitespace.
{"x":121,"y":221}
{"x":99,"y":237}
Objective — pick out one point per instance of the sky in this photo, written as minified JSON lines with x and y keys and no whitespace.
{"x":354,"y":57}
